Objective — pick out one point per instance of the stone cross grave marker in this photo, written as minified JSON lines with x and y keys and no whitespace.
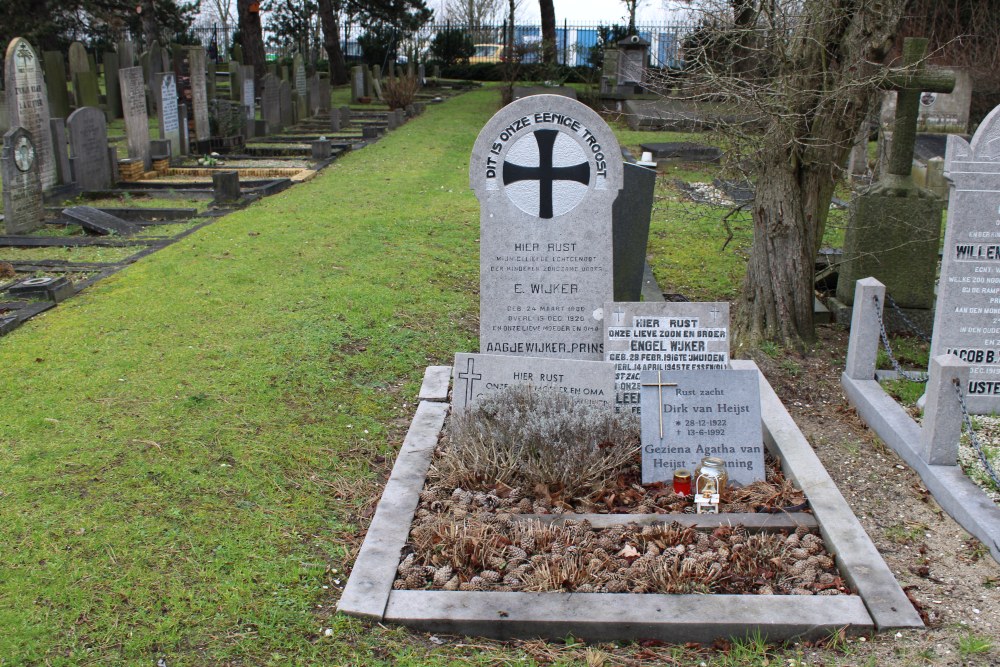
{"x":22,"y":189}
{"x":546,"y":170}
{"x":165,"y":90}
{"x":136,"y":118}
{"x":199,"y":93}
{"x":656,"y":335}
{"x":478,"y":375}
{"x":895,"y":228}
{"x":88,"y":137}
{"x":688,"y":415}
{"x":967,"y":314}
{"x":28,"y":104}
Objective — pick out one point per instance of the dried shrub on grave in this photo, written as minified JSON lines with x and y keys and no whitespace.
{"x":400,"y":91}
{"x":530,"y":437}
{"x":498,"y":553}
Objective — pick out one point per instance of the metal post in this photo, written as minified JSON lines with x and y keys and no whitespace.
{"x":565,"y":37}
{"x":862,"y":346}
{"x":942,"y":425}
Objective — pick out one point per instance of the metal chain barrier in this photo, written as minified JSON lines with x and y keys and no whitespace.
{"x":906,"y":375}
{"x":906,"y":320}
{"x":976,"y":445}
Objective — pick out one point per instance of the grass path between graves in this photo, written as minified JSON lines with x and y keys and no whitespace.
{"x":185,"y":447}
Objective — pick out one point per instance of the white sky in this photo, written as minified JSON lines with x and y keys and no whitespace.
{"x":603,"y":11}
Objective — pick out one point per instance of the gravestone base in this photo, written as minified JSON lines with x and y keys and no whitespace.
{"x":896,"y":240}
{"x":52,"y":289}
{"x":879,"y":602}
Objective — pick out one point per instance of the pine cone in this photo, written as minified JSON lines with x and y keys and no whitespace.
{"x":491,"y":576}
{"x":516,"y":553}
{"x":452,"y":585}
{"x":414,"y":580}
{"x":406,"y":564}
{"x":443,"y":575}
{"x":524,"y":506}
{"x":765,"y":590}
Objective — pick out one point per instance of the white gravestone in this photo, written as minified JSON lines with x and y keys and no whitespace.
{"x":478,"y":375}
{"x":170,"y":124}
{"x":28,"y":104}
{"x":688,"y":415}
{"x":967,"y":311}
{"x":546,"y":170}
{"x":658,"y":335}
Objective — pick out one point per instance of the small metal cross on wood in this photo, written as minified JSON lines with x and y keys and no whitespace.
{"x":659,"y":384}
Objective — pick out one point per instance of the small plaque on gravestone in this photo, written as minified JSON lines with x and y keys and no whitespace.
{"x":656,"y":335}
{"x":22,"y":187}
{"x":688,"y":415}
{"x":546,"y":170}
{"x":967,"y":313}
{"x":477,"y":375}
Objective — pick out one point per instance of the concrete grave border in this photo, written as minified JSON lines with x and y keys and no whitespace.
{"x":879,"y":604}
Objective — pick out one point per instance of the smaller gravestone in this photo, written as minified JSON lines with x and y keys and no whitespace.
{"x":165,"y":90}
{"x":226,"y":186}
{"x":22,"y":188}
{"x":248,"y":101}
{"x":322,"y":149}
{"x":688,"y":415}
{"x":185,"y":130}
{"x":235,"y":80}
{"x":335,"y":121}
{"x":55,"y":82}
{"x":87,"y":92}
{"x":98,"y":222}
{"x":478,"y":375}
{"x":301,"y":87}
{"x":324,"y":93}
{"x":314,"y":94}
{"x":657,"y":335}
{"x":270,"y":103}
{"x":88,"y":137}
{"x":947,"y":112}
{"x":199,"y":95}
{"x":136,"y":119}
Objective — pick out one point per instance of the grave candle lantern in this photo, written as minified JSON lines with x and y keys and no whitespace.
{"x":682,"y":482}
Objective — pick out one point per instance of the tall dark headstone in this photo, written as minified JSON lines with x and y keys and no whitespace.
{"x":59,"y":151}
{"x":22,"y":189}
{"x":136,"y":117}
{"x":55,"y":82}
{"x":111,"y":86}
{"x":86,"y":87}
{"x":78,"y":61}
{"x":88,"y":138}
{"x":546,"y":170}
{"x":28,"y":104}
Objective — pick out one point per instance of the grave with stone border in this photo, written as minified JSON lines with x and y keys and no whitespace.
{"x":519,"y":163}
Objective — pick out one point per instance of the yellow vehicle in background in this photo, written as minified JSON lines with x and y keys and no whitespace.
{"x":489,"y":53}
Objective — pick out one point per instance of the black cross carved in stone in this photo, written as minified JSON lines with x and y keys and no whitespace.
{"x":470,"y":376}
{"x":545,"y":173}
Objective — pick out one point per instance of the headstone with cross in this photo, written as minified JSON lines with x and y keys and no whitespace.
{"x":968,"y":298}
{"x":658,"y":335}
{"x":895,"y":228}
{"x":478,"y":375}
{"x":28,"y":104}
{"x":546,"y":170}
{"x":688,"y":415}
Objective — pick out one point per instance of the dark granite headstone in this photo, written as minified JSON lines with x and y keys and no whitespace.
{"x":111,"y":86}
{"x":88,"y":138}
{"x":22,"y":190}
{"x":55,"y":82}
{"x":631,"y":214}
{"x":63,"y":173}
{"x":78,"y":61}
{"x":226,"y":185}
{"x":28,"y":105}
{"x":98,"y":222}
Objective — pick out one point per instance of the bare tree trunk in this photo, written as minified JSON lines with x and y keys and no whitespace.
{"x":252,"y":38}
{"x":150,"y":28}
{"x":548,"y":12}
{"x":329,"y":12}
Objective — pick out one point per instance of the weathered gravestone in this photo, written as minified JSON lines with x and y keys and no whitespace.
{"x":270,"y":102}
{"x":28,"y":104}
{"x":59,"y":151}
{"x":88,"y":137}
{"x":657,"y":335}
{"x":248,"y":100}
{"x":688,"y":415}
{"x":165,"y":91}
{"x":285,"y":104}
{"x":895,"y":228}
{"x":947,"y":112}
{"x":630,"y":218}
{"x":98,"y":222}
{"x":55,"y":82}
{"x":136,"y":119}
{"x":314,"y":94}
{"x":478,"y":375}
{"x":546,"y":171}
{"x":87,"y":92}
{"x":235,"y":80}
{"x":357,"y":83}
{"x":301,"y":87}
{"x":78,"y":61}
{"x":323,"y":104}
{"x":22,"y":189}
{"x":967,"y":314}
{"x":199,"y":95}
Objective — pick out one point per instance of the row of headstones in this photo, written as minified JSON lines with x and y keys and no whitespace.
{"x":548,"y":171}
{"x":366,"y":82}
